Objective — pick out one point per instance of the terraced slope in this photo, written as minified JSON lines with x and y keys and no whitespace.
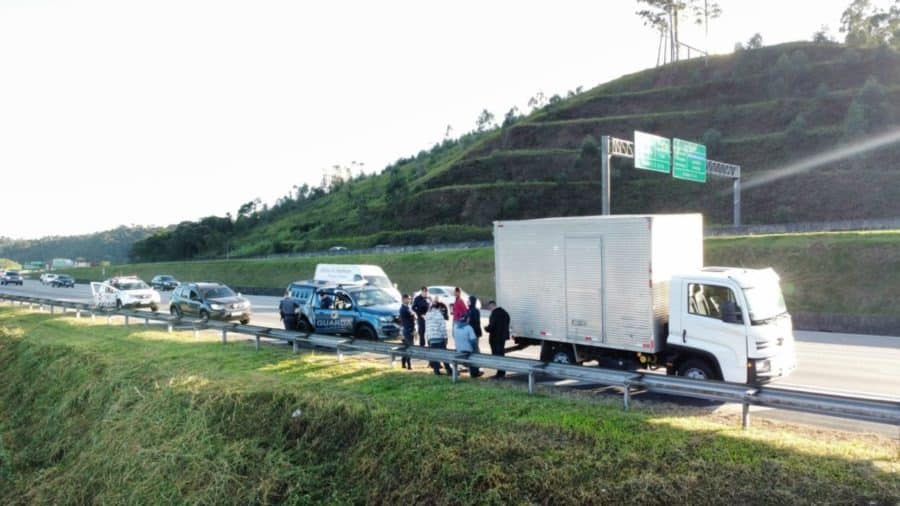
{"x":763,"y":109}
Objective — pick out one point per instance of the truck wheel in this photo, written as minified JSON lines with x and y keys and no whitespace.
{"x":558,"y":354}
{"x":365,"y":332}
{"x":696,"y":369}
{"x":245,"y":321}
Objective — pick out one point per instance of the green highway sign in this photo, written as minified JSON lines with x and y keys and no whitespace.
{"x":652,"y":152}
{"x":689,"y":161}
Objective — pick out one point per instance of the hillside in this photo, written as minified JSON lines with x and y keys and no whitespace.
{"x":762,"y":109}
{"x":110,"y":245}
{"x":97,"y":414}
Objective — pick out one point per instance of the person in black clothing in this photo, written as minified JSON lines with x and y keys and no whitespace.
{"x":325,"y":300}
{"x":473,"y":317}
{"x":420,"y":307}
{"x":407,"y":323}
{"x":288,"y":308}
{"x":498,"y":330}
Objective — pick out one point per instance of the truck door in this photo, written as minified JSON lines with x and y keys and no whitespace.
{"x":339,"y":318}
{"x":584,"y":289}
{"x":703,"y":328}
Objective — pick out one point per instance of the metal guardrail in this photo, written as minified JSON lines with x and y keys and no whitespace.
{"x":825,"y":403}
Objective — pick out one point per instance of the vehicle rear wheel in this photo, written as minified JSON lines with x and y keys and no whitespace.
{"x":366,"y":332}
{"x":174,"y":311}
{"x":204,"y":316}
{"x":245,"y":321}
{"x":559,"y":354}
{"x":154,"y":307}
{"x":696,"y":369}
{"x":304,"y":326}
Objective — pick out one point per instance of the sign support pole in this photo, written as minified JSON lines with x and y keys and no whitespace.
{"x":605,"y":179}
{"x":736,"y":191}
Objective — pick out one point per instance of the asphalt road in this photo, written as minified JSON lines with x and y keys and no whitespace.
{"x":851,"y":363}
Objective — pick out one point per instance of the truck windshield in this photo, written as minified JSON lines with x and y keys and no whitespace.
{"x":379,"y":281}
{"x":765,"y":302}
{"x":373,"y":297}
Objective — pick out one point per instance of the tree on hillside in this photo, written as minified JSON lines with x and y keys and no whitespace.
{"x":870,"y":111}
{"x":485,"y":121}
{"x":870,"y":26}
{"x":664,"y":16}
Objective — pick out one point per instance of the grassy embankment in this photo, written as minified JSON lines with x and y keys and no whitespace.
{"x":841,"y":272}
{"x":91,"y":413}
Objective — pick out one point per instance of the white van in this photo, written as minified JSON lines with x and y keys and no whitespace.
{"x":355,"y":273}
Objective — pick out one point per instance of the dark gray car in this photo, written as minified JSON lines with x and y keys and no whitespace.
{"x":209,"y":301}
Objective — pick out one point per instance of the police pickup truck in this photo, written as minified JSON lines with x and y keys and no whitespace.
{"x":362,"y":311}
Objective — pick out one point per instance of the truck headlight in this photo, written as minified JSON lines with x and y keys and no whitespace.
{"x":763,"y":365}
{"x":216,"y":307}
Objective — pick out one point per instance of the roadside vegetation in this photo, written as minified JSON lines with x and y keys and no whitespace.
{"x":107,"y":414}
{"x":854,"y":273}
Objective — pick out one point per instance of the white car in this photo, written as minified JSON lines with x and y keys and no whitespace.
{"x":125,"y":291}
{"x":48,"y":277}
{"x":448,"y":294}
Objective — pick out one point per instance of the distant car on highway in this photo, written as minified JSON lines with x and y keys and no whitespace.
{"x":48,"y":277}
{"x":11,"y":278}
{"x":209,"y":301}
{"x":63,"y":281}
{"x":336,"y":249}
{"x":132,"y":291}
{"x":164,"y":282}
{"x":448,"y":294}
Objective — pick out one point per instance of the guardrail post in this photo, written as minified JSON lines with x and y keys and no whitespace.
{"x":257,"y":342}
{"x":42,"y":307}
{"x":393,"y":360}
{"x":93,"y":316}
{"x":126,"y":320}
{"x":294,"y":346}
{"x":30,"y":306}
{"x":455,"y":371}
{"x":340,"y":354}
{"x":146,"y":322}
{"x":169,"y":327}
{"x":64,"y":309}
{"x":224,"y":336}
{"x":109,"y":319}
{"x":196,"y":333}
{"x":745,"y":416}
{"x":531,"y":382}
{"x":626,"y":399}
{"x":51,"y":308}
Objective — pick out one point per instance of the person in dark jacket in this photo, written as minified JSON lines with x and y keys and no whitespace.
{"x":473,"y":316}
{"x":420,"y":307}
{"x":407,"y":324}
{"x":498,"y":332}
{"x":288,"y":308}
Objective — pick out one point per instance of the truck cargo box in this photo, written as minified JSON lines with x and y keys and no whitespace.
{"x":594,"y":280}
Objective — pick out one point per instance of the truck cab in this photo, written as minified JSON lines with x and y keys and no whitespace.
{"x":731,"y":324}
{"x":362,"y":310}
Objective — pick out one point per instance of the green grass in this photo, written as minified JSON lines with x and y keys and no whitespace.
{"x":840,"y":272}
{"x":97,"y":414}
{"x":471,"y":269}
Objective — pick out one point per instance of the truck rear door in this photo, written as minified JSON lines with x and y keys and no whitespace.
{"x":584,"y":289}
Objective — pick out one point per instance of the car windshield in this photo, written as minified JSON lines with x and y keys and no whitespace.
{"x":166,"y":278}
{"x":379,"y":281}
{"x":132,"y":285}
{"x":12,"y":273}
{"x":765,"y":301}
{"x":64,"y":277}
{"x":372,"y":297}
{"x":218,"y":292}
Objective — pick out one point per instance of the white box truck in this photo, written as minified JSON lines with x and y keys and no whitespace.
{"x":630,"y":291}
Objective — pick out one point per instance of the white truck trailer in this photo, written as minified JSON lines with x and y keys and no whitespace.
{"x":630,"y":291}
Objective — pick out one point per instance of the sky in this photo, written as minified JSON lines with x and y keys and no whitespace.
{"x":154,"y":112}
